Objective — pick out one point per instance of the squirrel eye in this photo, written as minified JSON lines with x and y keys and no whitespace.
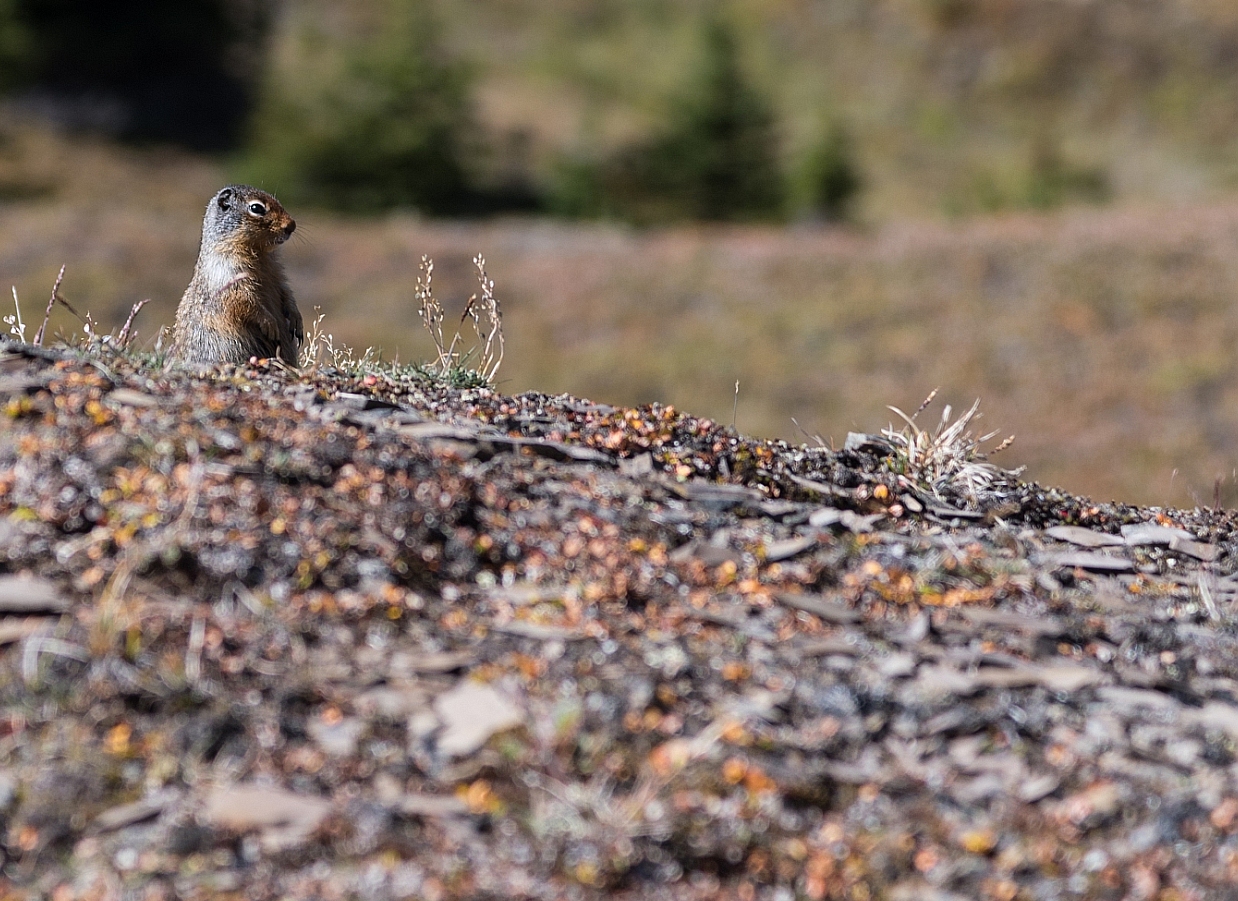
{"x":257,"y":209}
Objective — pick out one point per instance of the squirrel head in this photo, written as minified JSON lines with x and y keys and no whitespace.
{"x":246,"y":218}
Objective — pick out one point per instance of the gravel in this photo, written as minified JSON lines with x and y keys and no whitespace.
{"x":271,"y":635}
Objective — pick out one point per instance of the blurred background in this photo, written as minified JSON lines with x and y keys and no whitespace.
{"x":840,"y":204}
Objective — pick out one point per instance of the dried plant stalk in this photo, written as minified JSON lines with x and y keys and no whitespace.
{"x":487,"y":318}
{"x":126,"y":335}
{"x":431,"y":312}
{"x":17,"y":328}
{"x":51,"y":303}
{"x":482,"y":311}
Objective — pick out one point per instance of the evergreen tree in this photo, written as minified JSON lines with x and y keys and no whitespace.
{"x":177,"y":70}
{"x":379,"y":124}
{"x":718,"y":160}
{"x":834,"y":179}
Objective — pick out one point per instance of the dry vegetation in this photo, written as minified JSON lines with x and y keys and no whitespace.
{"x":1102,"y":338}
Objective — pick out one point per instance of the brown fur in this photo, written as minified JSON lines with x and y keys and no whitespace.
{"x":238,"y":304}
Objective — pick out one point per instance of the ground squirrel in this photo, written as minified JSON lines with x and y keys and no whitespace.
{"x":238,"y":304}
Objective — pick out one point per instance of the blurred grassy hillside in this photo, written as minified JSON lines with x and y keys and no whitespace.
{"x":930,"y":106}
{"x":1102,"y":338}
{"x":954,"y":106}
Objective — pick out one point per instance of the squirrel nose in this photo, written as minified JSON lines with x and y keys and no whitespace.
{"x":289,"y":228}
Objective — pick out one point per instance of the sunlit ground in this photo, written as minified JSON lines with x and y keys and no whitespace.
{"x":1103,"y":339}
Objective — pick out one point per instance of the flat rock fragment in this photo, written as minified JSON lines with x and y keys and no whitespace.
{"x":829,"y":611}
{"x":1084,"y":537}
{"x":1145,"y":534}
{"x":28,"y":594}
{"x":285,"y":819}
{"x":848,"y":519}
{"x":777,"y":551}
{"x":919,"y":890}
{"x":1017,"y":622}
{"x":778,"y":509}
{"x":426,"y":431}
{"x":130,"y":398}
{"x":822,"y":647}
{"x":1218,"y":715}
{"x":636,"y":467}
{"x":897,"y":665}
{"x":391,"y":702}
{"x":470,"y":714}
{"x":432,"y":662}
{"x":1038,"y":787}
{"x":339,"y":739}
{"x":538,"y":631}
{"x":429,"y":806}
{"x":1066,"y":677}
{"x":943,"y":681}
{"x":1124,"y":698}
{"x":915,"y":631}
{"x":719,"y":495}
{"x":1055,"y":677}
{"x":135,"y":812}
{"x":1197,"y":549}
{"x":1091,"y":561}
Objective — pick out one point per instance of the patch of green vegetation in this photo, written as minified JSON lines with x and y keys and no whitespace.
{"x":369,"y":120}
{"x":832,"y":176}
{"x":717,"y":158}
{"x":1045,"y":178}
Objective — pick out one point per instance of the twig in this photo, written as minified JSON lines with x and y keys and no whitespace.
{"x":40,"y":643}
{"x":123,"y":338}
{"x":193,"y":650}
{"x":817,"y":438}
{"x":924,"y":405}
{"x":1204,"y":579}
{"x":51,"y":302}
{"x":87,"y":323}
{"x":17,"y":328}
{"x":492,"y":351}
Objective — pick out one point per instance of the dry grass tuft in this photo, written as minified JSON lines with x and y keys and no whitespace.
{"x":483,"y":313}
{"x":91,"y":337}
{"x":948,"y":460}
{"x":475,"y":367}
{"x":320,"y":347}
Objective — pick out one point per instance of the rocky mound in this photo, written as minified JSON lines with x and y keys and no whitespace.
{"x":360,"y":636}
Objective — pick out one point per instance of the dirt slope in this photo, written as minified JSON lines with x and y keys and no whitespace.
{"x":329,"y":636}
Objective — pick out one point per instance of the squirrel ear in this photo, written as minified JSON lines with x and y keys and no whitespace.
{"x":223,"y":197}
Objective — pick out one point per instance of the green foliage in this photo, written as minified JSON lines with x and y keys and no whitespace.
{"x":578,"y":189}
{"x":366,"y":121}
{"x":719,"y":159}
{"x":14,"y":45}
{"x":716,"y":160}
{"x":1053,"y":180}
{"x":834,"y":180}
{"x":177,"y":70}
{"x":1043,"y":179}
